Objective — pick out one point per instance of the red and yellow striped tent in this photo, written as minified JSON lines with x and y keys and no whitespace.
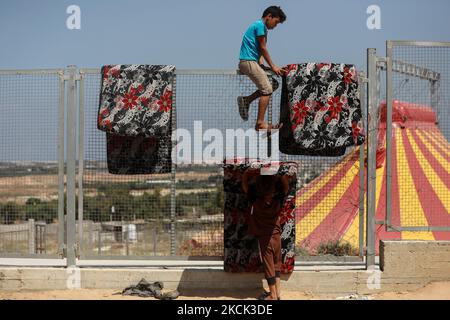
{"x":328,"y":207}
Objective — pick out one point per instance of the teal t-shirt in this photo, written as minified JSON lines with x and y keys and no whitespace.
{"x":250,"y":45}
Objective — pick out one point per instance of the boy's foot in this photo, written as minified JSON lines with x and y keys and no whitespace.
{"x":243,"y":107}
{"x":266,"y":296}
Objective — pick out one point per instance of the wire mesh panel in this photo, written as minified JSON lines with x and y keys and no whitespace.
{"x":29,"y":103}
{"x":328,"y":205}
{"x":381,"y":159}
{"x":329,"y":194}
{"x":124,"y":213}
{"x":328,"y":198}
{"x":207,"y":114}
{"x":419,"y":93}
{"x":209,"y":129}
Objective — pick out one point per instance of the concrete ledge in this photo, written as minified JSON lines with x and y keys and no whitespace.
{"x":319,"y":281}
{"x":405,"y":265}
{"x":415,"y":259}
{"x":326,"y":281}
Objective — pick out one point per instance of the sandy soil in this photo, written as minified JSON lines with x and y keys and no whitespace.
{"x":434,"y":291}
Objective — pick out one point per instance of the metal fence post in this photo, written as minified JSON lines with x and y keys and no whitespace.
{"x":60,"y":149}
{"x":154,"y":241}
{"x":269,"y":121}
{"x":127,"y":234}
{"x":31,"y":236}
{"x":173,"y":170}
{"x":371,"y":157}
{"x":90,"y":236}
{"x":362,"y":155}
{"x":434,"y":89}
{"x":80,"y":162}
{"x":388,"y":135}
{"x":71,"y":145}
{"x":99,"y":242}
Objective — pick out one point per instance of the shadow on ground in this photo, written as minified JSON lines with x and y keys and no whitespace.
{"x":217,"y":284}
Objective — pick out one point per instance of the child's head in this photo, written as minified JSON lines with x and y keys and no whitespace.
{"x":273,"y":16}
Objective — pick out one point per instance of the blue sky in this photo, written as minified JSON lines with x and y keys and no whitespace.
{"x":191,"y":34}
{"x":206,"y":33}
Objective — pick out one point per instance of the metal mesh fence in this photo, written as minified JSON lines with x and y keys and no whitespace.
{"x":208,"y":129}
{"x":180,"y":212}
{"x":29,"y":103}
{"x":206,"y":108}
{"x":137,"y":214}
{"x":123,"y":214}
{"x":207,"y":114}
{"x":420,"y":139}
{"x":329,"y":198}
{"x":381,"y":163}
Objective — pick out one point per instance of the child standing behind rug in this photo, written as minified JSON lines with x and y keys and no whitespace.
{"x":266,"y":196}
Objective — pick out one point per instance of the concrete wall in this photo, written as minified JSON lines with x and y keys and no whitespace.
{"x":413,"y":264}
{"x":404,"y":265}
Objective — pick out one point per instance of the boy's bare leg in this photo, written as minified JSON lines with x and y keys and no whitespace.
{"x":244,"y":103}
{"x":262,"y":106}
{"x":255,"y":95}
{"x":278,"y":287}
{"x":260,"y":123}
{"x":273,"y":292}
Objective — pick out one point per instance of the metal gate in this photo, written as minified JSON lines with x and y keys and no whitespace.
{"x":418,"y":134}
{"x":32,"y":163}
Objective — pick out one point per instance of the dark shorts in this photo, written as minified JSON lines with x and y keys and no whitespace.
{"x":270,"y":250}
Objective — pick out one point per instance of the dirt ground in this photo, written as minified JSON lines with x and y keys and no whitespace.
{"x":433,"y":291}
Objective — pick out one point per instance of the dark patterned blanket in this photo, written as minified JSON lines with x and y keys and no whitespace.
{"x":136,"y":100}
{"x":138,"y":155}
{"x":136,"y":113}
{"x":323,"y":108}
